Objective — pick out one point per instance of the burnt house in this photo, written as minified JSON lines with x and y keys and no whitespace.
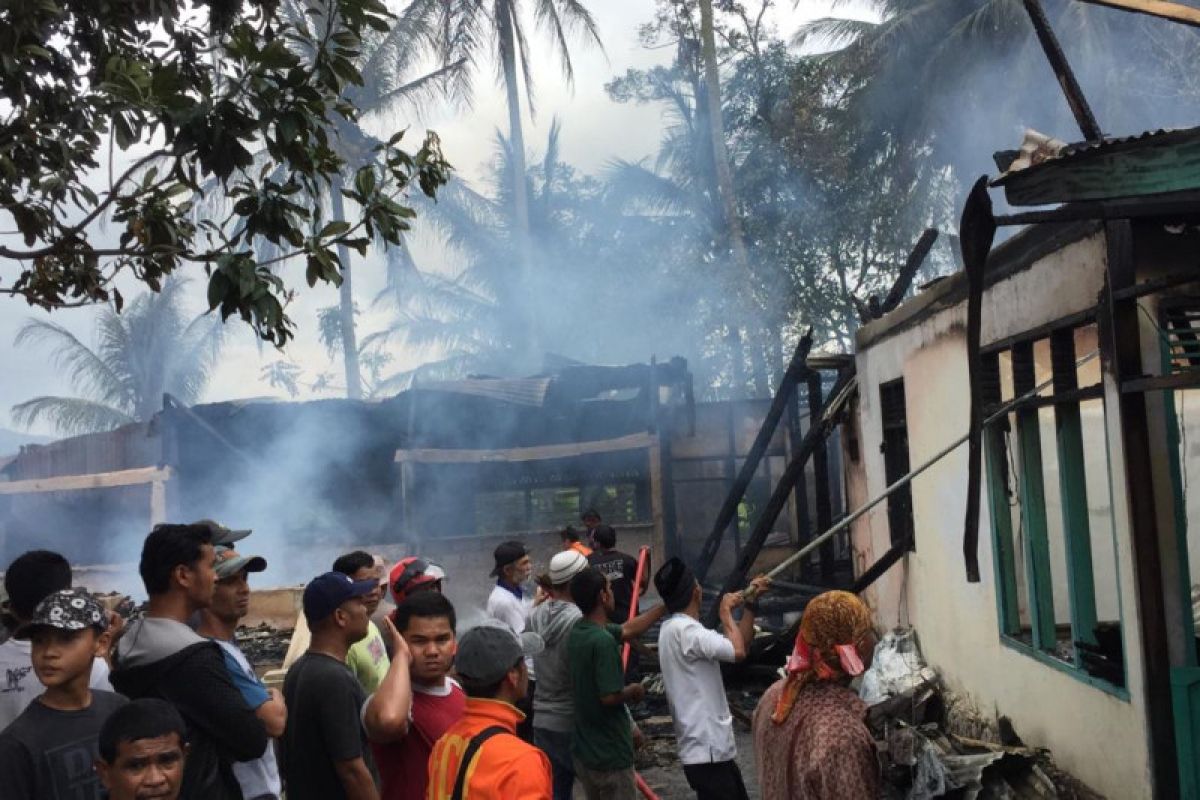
{"x":446,"y":469}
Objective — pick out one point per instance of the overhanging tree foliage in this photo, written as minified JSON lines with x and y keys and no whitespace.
{"x":187,"y":91}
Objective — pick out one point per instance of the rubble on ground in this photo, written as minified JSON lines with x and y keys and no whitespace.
{"x":933,"y":744}
{"x":264,"y":646}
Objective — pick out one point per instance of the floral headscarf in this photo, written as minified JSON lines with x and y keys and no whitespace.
{"x":833,"y":627}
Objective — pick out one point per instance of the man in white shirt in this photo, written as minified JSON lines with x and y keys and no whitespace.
{"x":31,"y":578}
{"x":511,"y":603}
{"x":690,"y":657}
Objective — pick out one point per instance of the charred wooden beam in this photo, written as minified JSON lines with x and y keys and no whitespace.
{"x":820,"y":462}
{"x":873,"y":573}
{"x":818,"y":431}
{"x":1180,"y":206}
{"x":1062,"y":70}
{"x":1120,"y":330}
{"x":92,"y":480}
{"x":796,"y":369}
{"x":905,"y":277}
{"x":977,"y":230}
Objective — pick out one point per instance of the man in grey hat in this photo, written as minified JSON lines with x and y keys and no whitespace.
{"x":259,"y":778}
{"x":482,"y":750}
{"x":160,"y":656}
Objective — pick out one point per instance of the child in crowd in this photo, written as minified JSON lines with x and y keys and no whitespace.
{"x":49,"y":749}
{"x":426,"y":620}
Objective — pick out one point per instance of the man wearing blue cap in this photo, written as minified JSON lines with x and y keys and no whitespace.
{"x":330,"y":717}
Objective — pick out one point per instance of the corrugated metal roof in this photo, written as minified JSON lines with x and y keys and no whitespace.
{"x":518,"y":391}
{"x":1106,"y":145}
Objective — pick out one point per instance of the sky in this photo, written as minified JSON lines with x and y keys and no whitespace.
{"x":595,"y":131}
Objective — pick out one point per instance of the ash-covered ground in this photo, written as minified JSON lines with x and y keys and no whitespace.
{"x":666,"y":777}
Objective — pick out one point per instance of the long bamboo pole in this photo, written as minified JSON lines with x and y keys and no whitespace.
{"x":850,"y":519}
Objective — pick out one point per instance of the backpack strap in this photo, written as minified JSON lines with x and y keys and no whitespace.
{"x":469,"y":756}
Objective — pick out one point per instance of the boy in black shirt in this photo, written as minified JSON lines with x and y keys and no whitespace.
{"x":47,"y":752}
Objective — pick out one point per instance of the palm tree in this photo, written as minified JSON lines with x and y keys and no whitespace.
{"x":465,"y":28}
{"x":149,"y":349}
{"x":388,"y":64}
{"x":392,"y":80}
{"x":472,"y":318}
{"x":926,"y":61}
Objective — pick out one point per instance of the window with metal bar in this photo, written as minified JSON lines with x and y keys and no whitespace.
{"x":1050,"y":503}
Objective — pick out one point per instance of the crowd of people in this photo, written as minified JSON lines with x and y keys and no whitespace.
{"x":393,"y":704}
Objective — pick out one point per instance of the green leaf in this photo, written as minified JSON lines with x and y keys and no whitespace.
{"x":364,"y":181}
{"x":335,"y":228}
{"x":346,"y":70}
{"x":218,"y":287}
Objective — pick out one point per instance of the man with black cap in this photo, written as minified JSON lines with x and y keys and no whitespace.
{"x":259,"y":778}
{"x":160,"y":656}
{"x":690,"y":657}
{"x":480,"y":757}
{"x":325,"y":752}
{"x":510,"y":603}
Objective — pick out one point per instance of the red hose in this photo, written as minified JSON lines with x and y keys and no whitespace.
{"x":643,"y":557}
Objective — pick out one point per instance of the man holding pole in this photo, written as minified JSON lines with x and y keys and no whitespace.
{"x":690,"y":656}
{"x":602,"y":744}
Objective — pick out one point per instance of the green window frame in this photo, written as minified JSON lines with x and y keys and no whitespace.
{"x":1013,"y":443}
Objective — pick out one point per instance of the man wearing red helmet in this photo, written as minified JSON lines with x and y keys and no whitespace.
{"x":414,"y":574}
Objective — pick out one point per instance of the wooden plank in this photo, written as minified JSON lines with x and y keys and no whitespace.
{"x":658,"y":540}
{"x":1081,"y":581}
{"x":1002,"y":532}
{"x":818,"y":431}
{"x":1073,"y":92}
{"x":1033,"y":508}
{"x":995,"y":454}
{"x":98,"y":480}
{"x":158,"y":502}
{"x":1122,"y":355}
{"x":519,"y":454}
{"x":897,"y":551}
{"x":820,"y":462}
{"x":1175,"y":12}
{"x":727,"y":514}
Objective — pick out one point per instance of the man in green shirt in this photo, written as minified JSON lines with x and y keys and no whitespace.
{"x":602,"y":743}
{"x":367,"y":658}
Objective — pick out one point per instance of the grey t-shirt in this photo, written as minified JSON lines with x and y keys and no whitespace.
{"x":553,"y":706}
{"x":19,"y":685}
{"x":47,"y":754}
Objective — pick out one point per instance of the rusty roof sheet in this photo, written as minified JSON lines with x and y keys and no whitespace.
{"x":518,"y":391}
{"x":1067,"y":152}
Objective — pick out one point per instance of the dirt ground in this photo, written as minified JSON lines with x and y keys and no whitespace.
{"x":668,"y":782}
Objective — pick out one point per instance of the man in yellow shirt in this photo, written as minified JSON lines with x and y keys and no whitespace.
{"x":367,"y":658}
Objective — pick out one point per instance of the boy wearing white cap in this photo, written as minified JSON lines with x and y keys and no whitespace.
{"x":553,"y":718}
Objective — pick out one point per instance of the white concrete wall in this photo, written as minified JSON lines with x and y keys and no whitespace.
{"x":1093,"y":734}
